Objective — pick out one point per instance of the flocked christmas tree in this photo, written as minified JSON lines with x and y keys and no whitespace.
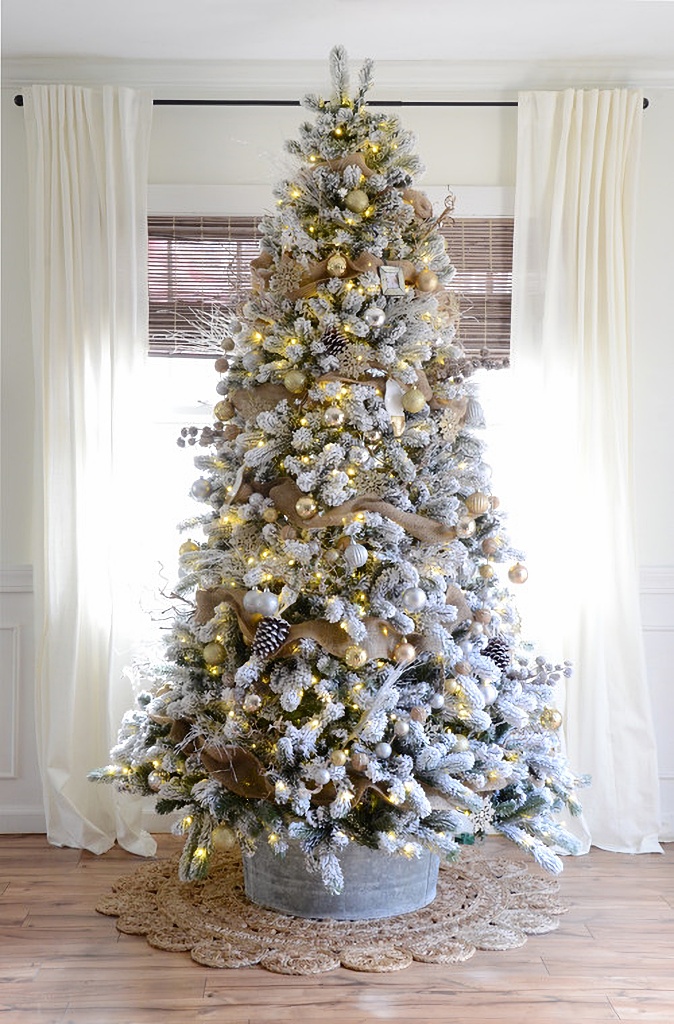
{"x":345,"y":665}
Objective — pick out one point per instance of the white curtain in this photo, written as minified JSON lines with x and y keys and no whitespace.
{"x":87,"y":154}
{"x":573,"y":273}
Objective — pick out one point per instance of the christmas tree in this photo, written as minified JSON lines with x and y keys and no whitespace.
{"x":345,"y":664}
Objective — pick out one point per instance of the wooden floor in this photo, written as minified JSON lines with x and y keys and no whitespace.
{"x":612,"y":958}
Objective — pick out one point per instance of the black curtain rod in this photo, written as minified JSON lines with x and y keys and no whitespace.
{"x":18,"y":99}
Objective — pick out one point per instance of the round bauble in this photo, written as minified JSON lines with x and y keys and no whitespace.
{"x":332,"y":556}
{"x":214,"y":654}
{"x":374,"y":316}
{"x":250,"y":601}
{"x":336,"y":265}
{"x":295,"y":381}
{"x":223,"y":411}
{"x":518,"y":573}
{"x":360,"y":761}
{"x":404,"y":653}
{"x":270,"y":515}
{"x":187,"y":546}
{"x":201,"y":489}
{"x":222,"y":387}
{"x":358,"y":456}
{"x":383,"y":750}
{"x":267,"y":603}
{"x":414,"y":599}
{"x":413,"y":400}
{"x":333,"y":416}
{"x":322,"y":776}
{"x":221,"y":364}
{"x":465,"y":527}
{"x":490,"y":545}
{"x":427,"y":280}
{"x":482,"y":615}
{"x":305,"y":507}
{"x":338,"y":758}
{"x":401,"y":728}
{"x":357,"y":200}
{"x":223,"y":838}
{"x":478,"y":503}
{"x":355,"y":555}
{"x":551,"y":718}
{"x":155,"y":781}
{"x":418,"y":714}
{"x":494,"y":501}
{"x":489,"y":692}
{"x":461,"y":744}
{"x":252,"y":701}
{"x":355,"y":656}
{"x":437,"y":701}
{"x":486,"y":571}
{"x":372,"y":438}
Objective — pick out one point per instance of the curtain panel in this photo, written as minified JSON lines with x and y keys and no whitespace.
{"x":87,"y":155}
{"x":573,"y":272}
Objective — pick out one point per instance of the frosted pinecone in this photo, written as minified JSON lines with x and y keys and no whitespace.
{"x":498,"y":650}
{"x":334,"y":341}
{"x":271,"y":634}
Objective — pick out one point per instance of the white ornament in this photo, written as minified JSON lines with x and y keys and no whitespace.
{"x":374,"y":316}
{"x":437,"y":701}
{"x":489,"y":692}
{"x":414,"y":599}
{"x":383,"y":750}
{"x":322,"y":776}
{"x":355,"y":555}
{"x":401,"y":728}
{"x":250,"y":602}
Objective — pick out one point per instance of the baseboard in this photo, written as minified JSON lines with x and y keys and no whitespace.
{"x":20,"y":820}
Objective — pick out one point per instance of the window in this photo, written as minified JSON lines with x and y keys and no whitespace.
{"x":199,"y":263}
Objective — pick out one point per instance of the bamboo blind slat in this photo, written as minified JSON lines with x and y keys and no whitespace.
{"x":198,"y":264}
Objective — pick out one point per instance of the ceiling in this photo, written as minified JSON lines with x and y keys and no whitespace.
{"x":301,"y":30}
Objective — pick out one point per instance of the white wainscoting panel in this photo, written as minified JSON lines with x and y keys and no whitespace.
{"x":657,"y":611}
{"x":21,"y":808}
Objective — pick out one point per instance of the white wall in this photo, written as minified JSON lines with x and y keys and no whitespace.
{"x":219,"y":147}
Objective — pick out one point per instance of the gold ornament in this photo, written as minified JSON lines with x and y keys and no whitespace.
{"x":465,"y":527}
{"x":551,"y":718}
{"x":223,"y":838}
{"x":357,"y":201}
{"x":221,"y":364}
{"x":490,"y":545}
{"x":427,"y":280}
{"x":214,"y":654}
{"x":355,"y":656}
{"x":413,"y":400}
{"x":337,"y":265}
{"x":494,"y":501}
{"x":372,"y":438}
{"x":404,"y":653}
{"x":518,"y":573}
{"x":478,"y":503}
{"x":338,"y":758}
{"x":463,"y":668}
{"x":418,"y":714}
{"x":486,"y":571}
{"x":306,"y":507}
{"x":295,"y":381}
{"x":359,"y":761}
{"x":270,"y":515}
{"x":223,"y":411}
{"x":333,"y":416}
{"x":187,"y":546}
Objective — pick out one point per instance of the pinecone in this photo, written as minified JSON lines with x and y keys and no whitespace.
{"x":270,"y":635}
{"x":334,"y":341}
{"x":498,"y":650}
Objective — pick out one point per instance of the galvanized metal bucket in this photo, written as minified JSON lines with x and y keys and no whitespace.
{"x":376,"y":884}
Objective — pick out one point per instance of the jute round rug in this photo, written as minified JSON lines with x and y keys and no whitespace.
{"x":482,"y":902}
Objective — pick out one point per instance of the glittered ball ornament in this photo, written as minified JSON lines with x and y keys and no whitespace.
{"x":214,"y":654}
{"x":338,"y":758}
{"x":270,"y":515}
{"x":518,"y":573}
{"x":295,"y":381}
{"x":358,"y":456}
{"x":223,"y":411}
{"x":322,"y":776}
{"x":357,"y":200}
{"x":413,"y":400}
{"x":223,"y":838}
{"x":551,"y":718}
{"x":333,"y":416}
{"x":374,"y":316}
{"x":372,"y":438}
{"x":336,"y":265}
{"x":187,"y":546}
{"x":305,"y":507}
{"x":201,"y":489}
{"x":252,"y":702}
{"x":486,"y":571}
{"x":155,"y":781}
{"x":427,"y":280}
{"x":414,"y":599}
{"x":221,"y":364}
{"x":355,"y":656}
{"x":404,"y":653}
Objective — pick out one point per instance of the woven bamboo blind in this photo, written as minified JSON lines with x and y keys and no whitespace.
{"x":198,"y":264}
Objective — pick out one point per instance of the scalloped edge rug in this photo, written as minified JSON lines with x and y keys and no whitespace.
{"x":486,"y":903}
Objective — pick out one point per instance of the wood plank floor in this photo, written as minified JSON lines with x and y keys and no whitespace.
{"x":612,"y":958}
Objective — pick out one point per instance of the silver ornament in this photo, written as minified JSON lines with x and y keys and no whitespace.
{"x":489,"y":692}
{"x":358,"y":456}
{"x":250,"y":602}
{"x":322,"y":776}
{"x":414,"y":599}
{"x":465,"y":527}
{"x":374,"y":316}
{"x":155,"y":781}
{"x":401,"y":728}
{"x":437,"y":701}
{"x":355,"y":555}
{"x":383,"y":750}
{"x":267,"y":603}
{"x":201,"y":489}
